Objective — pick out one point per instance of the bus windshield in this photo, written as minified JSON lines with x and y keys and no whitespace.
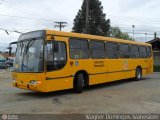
{"x":29,"y":56}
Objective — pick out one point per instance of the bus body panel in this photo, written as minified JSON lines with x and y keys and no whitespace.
{"x":23,"y":81}
{"x":98,"y":70}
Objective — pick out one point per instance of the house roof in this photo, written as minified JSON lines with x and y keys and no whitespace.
{"x":2,"y":57}
{"x":154,"y":40}
{"x":155,"y":44}
{"x":6,"y":55}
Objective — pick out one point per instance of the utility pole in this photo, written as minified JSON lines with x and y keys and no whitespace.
{"x":60,"y":25}
{"x":155,"y":35}
{"x":133,"y":26}
{"x":145,"y":37}
{"x":87,"y":14}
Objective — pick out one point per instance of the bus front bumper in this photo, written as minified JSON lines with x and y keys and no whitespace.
{"x":28,"y":86}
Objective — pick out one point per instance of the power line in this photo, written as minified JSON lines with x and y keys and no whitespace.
{"x":10,"y":6}
{"x":131,"y":17}
{"x":138,"y":28}
{"x":135,"y":22}
{"x":21,"y":17}
{"x":19,"y":9}
{"x":141,"y":33}
{"x":127,"y":23}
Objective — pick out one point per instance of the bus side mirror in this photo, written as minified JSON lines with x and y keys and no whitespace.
{"x":10,"y":48}
{"x":56,"y":46}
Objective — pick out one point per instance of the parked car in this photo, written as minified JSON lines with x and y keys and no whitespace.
{"x":3,"y":65}
{"x":9,"y":63}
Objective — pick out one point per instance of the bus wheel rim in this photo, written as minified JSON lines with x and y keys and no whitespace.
{"x":139,"y":75}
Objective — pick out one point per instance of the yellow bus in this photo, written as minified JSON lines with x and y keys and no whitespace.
{"x":48,"y":60}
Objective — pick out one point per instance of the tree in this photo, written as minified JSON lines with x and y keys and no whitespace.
{"x":117,"y":33}
{"x":97,"y":23}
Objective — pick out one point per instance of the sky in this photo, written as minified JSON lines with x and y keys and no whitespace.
{"x":29,"y":15}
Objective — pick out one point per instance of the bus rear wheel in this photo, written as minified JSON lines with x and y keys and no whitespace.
{"x":79,"y":83}
{"x":138,"y":75}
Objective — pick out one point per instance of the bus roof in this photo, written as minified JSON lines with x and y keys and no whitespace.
{"x":92,"y":37}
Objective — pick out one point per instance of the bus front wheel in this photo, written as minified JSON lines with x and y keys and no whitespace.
{"x":79,"y":83}
{"x":138,"y":75}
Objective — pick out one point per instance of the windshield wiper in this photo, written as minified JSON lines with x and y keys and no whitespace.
{"x":29,"y":44}
{"x":21,"y":48}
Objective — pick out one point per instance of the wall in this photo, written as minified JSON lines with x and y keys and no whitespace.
{"x":2,"y":59}
{"x":156,"y":56}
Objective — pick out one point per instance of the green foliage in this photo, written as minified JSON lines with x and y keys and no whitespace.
{"x":97,"y":25}
{"x":157,"y":68}
{"x":115,"y":32}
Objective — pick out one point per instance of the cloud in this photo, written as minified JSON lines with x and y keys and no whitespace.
{"x":122,"y":13}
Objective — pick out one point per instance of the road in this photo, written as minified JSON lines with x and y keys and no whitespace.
{"x":125,"y":96}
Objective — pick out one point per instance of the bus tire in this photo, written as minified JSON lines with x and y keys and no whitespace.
{"x":79,"y":83}
{"x":138,"y":73}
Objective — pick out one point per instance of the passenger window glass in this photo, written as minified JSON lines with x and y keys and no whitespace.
{"x":143,"y":51}
{"x":79,"y":48}
{"x":97,"y":49}
{"x":49,"y":50}
{"x":112,"y":50}
{"x":124,"y":51}
{"x":55,"y":60}
{"x":149,"y":53}
{"x":134,"y":51}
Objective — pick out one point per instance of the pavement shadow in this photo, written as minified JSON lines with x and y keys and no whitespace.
{"x":113,"y":83}
{"x":71,"y":91}
{"x":46,"y":95}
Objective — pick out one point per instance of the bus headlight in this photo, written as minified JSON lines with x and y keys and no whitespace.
{"x":35,"y":82}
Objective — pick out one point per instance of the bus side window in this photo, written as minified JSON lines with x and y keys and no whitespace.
{"x":112,"y":50}
{"x":98,"y":49}
{"x":49,"y":52}
{"x":134,"y":51}
{"x":124,"y":51}
{"x":149,"y":54}
{"x":79,"y":48}
{"x":143,"y":51}
{"x":56,"y":60}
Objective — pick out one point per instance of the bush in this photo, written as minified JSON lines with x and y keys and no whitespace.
{"x":157,"y":68}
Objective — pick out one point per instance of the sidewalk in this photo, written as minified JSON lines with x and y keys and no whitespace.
{"x":5,"y":74}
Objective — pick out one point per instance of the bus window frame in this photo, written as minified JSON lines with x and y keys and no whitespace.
{"x":53,"y":40}
{"x":83,"y":39}
{"x":150,"y":51}
{"x":118,"y":55}
{"x":138,"y":51}
{"x":123,"y":51}
{"x":143,"y":52}
{"x":104,"y":49}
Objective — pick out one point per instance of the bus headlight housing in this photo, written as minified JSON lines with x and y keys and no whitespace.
{"x":35,"y":82}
